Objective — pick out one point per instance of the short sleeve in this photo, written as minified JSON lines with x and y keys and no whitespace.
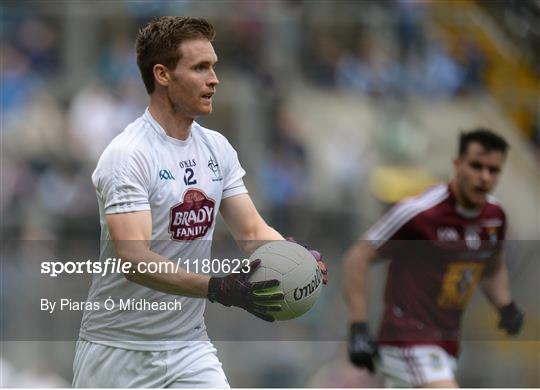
{"x":391,"y":225}
{"x":122,"y":181}
{"x":233,"y":183}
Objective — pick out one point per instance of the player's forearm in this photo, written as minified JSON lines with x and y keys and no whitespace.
{"x":245,"y":223}
{"x":496,"y":286}
{"x":356,"y":267}
{"x":257,"y":237}
{"x":169,"y":280}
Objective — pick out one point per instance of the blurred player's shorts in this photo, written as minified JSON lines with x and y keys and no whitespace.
{"x":192,"y":366}
{"x":415,"y":366}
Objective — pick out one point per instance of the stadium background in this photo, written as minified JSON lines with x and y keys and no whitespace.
{"x":337,"y":109}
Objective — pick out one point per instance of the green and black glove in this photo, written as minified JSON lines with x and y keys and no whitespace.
{"x":258,"y":298}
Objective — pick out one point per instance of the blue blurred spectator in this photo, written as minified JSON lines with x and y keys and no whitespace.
{"x":18,"y":83}
{"x":444,"y":76}
{"x":321,"y":60}
{"x":367,"y":70}
{"x":410,"y":15}
{"x":38,"y":40}
{"x":284,"y":175}
{"x":117,"y":60}
{"x":475,"y":64}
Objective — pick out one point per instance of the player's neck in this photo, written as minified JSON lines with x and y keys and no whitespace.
{"x":174,"y":123}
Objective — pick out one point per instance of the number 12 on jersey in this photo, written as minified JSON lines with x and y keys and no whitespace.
{"x":188,"y":177}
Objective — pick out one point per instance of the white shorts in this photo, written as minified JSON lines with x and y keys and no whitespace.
{"x":415,"y":366}
{"x":195,"y":365}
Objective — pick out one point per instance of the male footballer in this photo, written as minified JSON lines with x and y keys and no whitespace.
{"x":160,"y":184}
{"x":441,"y":243}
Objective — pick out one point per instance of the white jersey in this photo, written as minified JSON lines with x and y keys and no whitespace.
{"x":182,"y":183}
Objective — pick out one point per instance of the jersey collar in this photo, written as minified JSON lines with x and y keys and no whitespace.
{"x":467,"y":213}
{"x":161,"y":131}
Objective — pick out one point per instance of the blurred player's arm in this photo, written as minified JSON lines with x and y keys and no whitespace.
{"x":361,"y":347}
{"x":496,"y":287}
{"x":495,"y":282}
{"x":245,"y":223}
{"x":355,"y":271}
{"x":131,"y":234}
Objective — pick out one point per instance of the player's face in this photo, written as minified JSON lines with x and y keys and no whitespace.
{"x":476,"y":174}
{"x":193,"y":82}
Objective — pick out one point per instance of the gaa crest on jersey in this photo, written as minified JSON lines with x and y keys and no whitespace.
{"x":492,"y":234}
{"x":192,"y":217}
{"x":214,"y":168}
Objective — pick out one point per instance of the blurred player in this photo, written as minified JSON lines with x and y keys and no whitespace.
{"x":441,"y":243}
{"x":160,"y":184}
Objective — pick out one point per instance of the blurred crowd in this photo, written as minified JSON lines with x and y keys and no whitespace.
{"x":51,"y":142}
{"x":410,"y":58}
{"x":59,"y":112}
{"x":54,"y":131}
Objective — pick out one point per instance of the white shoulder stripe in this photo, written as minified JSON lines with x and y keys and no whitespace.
{"x":403,"y":212}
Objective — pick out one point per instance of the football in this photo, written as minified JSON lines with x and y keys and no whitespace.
{"x":296,"y":269}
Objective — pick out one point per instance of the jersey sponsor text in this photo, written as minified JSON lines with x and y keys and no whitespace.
{"x":191,"y":218}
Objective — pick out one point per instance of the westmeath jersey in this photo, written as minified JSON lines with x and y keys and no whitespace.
{"x":439,"y":252}
{"x":181,"y":183}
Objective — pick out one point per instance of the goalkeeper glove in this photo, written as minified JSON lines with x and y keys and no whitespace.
{"x":511,"y":319}
{"x":258,"y":298}
{"x":362,"y":348}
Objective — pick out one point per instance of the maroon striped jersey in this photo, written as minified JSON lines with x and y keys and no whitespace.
{"x":439,"y":252}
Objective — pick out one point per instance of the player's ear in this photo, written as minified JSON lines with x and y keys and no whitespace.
{"x":161,"y":74}
{"x":456,"y":162}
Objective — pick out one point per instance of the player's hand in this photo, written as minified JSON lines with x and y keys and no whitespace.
{"x":258,"y":298}
{"x":320,"y":263}
{"x":511,"y":319}
{"x":362,"y":348}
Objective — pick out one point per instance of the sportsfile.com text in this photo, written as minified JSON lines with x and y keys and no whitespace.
{"x":113,"y":265}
